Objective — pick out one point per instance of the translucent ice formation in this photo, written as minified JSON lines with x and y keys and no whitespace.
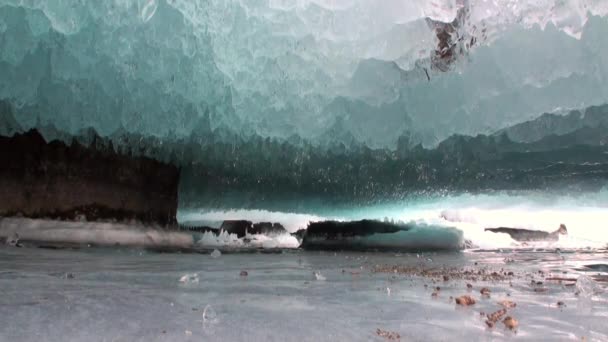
{"x":322,"y":69}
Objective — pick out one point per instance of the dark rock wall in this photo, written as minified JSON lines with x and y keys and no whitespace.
{"x":54,"y":180}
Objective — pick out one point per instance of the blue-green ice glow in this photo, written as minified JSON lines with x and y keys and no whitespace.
{"x":324,"y":70}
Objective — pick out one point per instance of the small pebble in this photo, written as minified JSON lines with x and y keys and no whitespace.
{"x":510,"y":322}
{"x":465,"y":300}
{"x":507,"y":304}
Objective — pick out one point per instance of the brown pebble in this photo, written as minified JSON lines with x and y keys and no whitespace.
{"x":434,"y":294}
{"x":469,"y":286}
{"x":438,"y":288}
{"x":495,"y":317}
{"x":507,"y":304}
{"x":485,"y":291}
{"x":244,"y":273}
{"x":388,"y":335}
{"x":510,"y":322}
{"x":465,"y":300}
{"x":446,"y":278}
{"x":560,"y":304}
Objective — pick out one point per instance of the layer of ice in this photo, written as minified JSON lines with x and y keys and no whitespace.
{"x":585,"y":215}
{"x":418,"y":237}
{"x":120,"y":295}
{"x":359,"y":68}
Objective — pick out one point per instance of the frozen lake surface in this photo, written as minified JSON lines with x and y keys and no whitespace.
{"x":100,"y":294}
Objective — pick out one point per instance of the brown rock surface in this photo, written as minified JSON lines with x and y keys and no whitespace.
{"x":57,"y":181}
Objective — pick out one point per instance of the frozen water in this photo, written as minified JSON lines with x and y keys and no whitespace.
{"x":216,"y":254}
{"x":190,"y":278}
{"x":125,"y":294}
{"x":584,"y":214}
{"x":319,"y":69}
{"x":209,"y":315}
{"x":586,"y":287}
{"x":433,"y":219}
{"x":419,"y":237}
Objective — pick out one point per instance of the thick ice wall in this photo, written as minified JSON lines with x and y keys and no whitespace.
{"x":278,"y":68}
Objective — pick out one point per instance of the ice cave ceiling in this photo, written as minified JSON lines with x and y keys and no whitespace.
{"x":325,"y":70}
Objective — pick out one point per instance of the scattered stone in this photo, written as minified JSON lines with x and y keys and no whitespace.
{"x":441,"y":273}
{"x":507,"y":304}
{"x":561,"y":304}
{"x":541,"y":289}
{"x":388,"y":335}
{"x":69,"y":276}
{"x":469,"y":286}
{"x":510,"y":322}
{"x":237,"y":227}
{"x":485,"y":292}
{"x":465,"y":300}
{"x":268,"y":228}
{"x":434,"y":294}
{"x":244,"y":274}
{"x":495,"y":317}
{"x":319,"y":276}
{"x":560,"y":279}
